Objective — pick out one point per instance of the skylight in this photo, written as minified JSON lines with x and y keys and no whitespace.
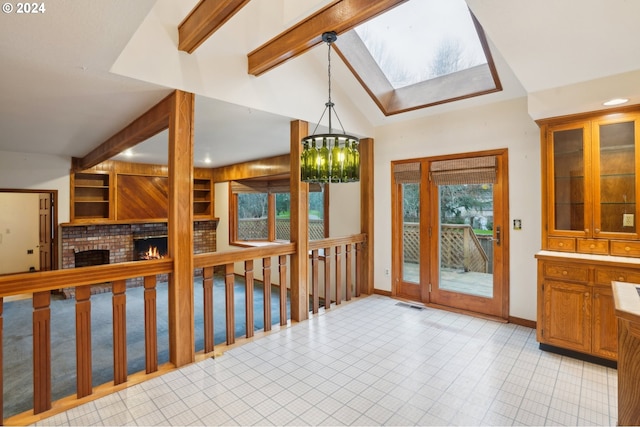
{"x":420,"y":40}
{"x":420,"y":53}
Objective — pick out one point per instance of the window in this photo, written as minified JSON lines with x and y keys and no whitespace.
{"x":260,"y":212}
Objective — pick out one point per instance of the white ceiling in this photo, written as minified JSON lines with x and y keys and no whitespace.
{"x":79,"y":72}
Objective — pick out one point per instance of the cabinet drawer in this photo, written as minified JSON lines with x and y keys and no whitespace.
{"x":562,"y":244}
{"x":621,"y":248}
{"x":565,"y":272}
{"x":604,"y":276}
{"x":592,"y":246}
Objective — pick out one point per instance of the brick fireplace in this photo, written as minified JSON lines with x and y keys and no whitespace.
{"x":119,"y":240}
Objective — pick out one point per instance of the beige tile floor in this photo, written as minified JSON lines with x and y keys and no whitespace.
{"x":373,"y":361}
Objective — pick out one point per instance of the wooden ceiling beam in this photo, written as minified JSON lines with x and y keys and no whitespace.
{"x":339,"y":16}
{"x":144,"y":127}
{"x":204,"y":20}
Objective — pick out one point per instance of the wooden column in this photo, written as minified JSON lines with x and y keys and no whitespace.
{"x":41,"y":352}
{"x":299,"y":227}
{"x":366,"y":214}
{"x":180,"y":229}
{"x":119,"y":307}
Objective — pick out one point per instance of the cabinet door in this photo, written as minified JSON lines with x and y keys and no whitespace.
{"x":567,"y":315}
{"x":615,"y":181}
{"x":567,"y":180}
{"x":605,"y":324}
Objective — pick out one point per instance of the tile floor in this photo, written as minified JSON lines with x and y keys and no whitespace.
{"x":373,"y":361}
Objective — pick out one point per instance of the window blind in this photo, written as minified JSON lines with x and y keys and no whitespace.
{"x":406,"y":173}
{"x":473,"y":170}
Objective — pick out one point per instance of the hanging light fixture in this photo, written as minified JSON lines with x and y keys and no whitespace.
{"x":330,"y":157}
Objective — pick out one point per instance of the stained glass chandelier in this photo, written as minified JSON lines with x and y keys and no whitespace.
{"x":330,"y":157}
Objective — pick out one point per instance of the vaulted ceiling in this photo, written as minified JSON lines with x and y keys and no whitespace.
{"x":76,"y":74}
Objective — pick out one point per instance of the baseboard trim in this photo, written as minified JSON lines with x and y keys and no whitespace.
{"x":523,"y":322}
{"x":581,"y":356}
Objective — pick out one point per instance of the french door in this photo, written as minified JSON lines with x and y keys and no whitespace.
{"x":450,"y":239}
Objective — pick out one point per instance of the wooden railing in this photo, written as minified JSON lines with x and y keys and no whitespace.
{"x":333,"y":290}
{"x":339,"y":283}
{"x":40,"y":285}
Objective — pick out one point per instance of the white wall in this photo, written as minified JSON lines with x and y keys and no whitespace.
{"x":38,"y":172}
{"x":501,"y":125}
{"x":19,"y":232}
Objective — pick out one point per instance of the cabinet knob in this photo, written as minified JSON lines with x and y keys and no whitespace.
{"x":597,"y":230}
{"x":586,"y":230}
{"x":592,"y":246}
{"x":561,"y":244}
{"x":586,"y":294}
{"x":564,"y":272}
{"x":621,"y":279}
{"x":627,"y":248}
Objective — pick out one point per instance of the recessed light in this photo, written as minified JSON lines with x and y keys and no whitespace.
{"x":207,"y":160}
{"x":128,"y":152}
{"x":616,"y":101}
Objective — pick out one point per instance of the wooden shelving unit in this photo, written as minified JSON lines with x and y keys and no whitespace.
{"x":97,"y":195}
{"x":91,"y":193}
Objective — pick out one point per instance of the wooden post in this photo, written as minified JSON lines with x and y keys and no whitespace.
{"x":180,"y":229}
{"x":282,"y":278}
{"x":248,"y":296}
{"x":207,"y":304}
{"x":229,"y":282}
{"x":327,"y":277}
{"x":41,"y":352}
{"x":150,"y":325}
{"x":119,"y":307}
{"x":366,"y":214}
{"x":266,"y":297}
{"x":83,"y":341}
{"x":299,"y":227}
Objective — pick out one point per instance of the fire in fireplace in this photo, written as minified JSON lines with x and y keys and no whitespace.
{"x":151,"y":247}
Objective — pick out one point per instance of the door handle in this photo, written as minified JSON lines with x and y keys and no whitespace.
{"x":498,"y":236}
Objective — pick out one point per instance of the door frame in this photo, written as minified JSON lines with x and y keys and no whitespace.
{"x":54,"y":218}
{"x":429,"y":217}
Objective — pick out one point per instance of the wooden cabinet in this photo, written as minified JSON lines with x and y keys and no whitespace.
{"x":575,"y":301}
{"x":590,"y":183}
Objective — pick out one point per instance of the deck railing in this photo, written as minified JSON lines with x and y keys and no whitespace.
{"x":40,"y":284}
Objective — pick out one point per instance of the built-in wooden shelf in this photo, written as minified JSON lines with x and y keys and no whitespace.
{"x":104,"y":194}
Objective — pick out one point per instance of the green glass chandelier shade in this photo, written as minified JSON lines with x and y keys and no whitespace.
{"x":330,"y":158}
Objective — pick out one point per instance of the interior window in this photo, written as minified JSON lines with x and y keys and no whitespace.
{"x":261,"y":210}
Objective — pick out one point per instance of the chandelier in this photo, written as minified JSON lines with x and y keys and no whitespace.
{"x":330,"y":157}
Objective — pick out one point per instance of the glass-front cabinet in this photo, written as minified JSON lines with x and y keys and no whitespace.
{"x":591,"y":184}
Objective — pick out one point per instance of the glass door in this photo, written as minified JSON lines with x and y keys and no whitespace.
{"x":466,"y":239}
{"x":470,"y":247}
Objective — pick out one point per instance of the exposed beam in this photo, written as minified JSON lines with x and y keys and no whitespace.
{"x":144,"y":127}
{"x":204,"y":20}
{"x":339,"y":16}
{"x":277,"y":165}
